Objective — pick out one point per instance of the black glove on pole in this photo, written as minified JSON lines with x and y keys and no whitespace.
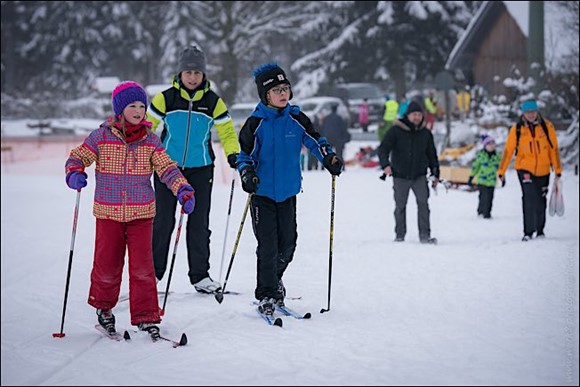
{"x":250,"y":180}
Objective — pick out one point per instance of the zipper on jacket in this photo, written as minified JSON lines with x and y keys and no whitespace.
{"x":187,"y":133}
{"x":124,"y":189}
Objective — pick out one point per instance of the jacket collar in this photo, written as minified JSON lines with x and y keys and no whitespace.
{"x":268,"y":112}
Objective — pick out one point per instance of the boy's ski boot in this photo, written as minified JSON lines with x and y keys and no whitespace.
{"x":266,"y":306}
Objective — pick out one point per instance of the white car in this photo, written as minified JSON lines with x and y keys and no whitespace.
{"x":321,"y":106}
{"x":239,"y":113}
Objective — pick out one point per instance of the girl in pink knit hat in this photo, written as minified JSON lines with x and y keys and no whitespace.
{"x":126,"y":154}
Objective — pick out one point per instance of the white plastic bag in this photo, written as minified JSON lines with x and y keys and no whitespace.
{"x":556,"y":204}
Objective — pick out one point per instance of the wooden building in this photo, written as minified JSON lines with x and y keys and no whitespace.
{"x":491,"y":49}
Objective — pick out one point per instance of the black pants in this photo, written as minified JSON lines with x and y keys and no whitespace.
{"x":485,"y":201}
{"x":198,"y":232}
{"x":534,"y":193}
{"x":275,"y":228}
{"x":420,"y":188}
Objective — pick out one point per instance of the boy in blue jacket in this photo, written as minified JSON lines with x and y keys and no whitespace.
{"x":269,"y":166}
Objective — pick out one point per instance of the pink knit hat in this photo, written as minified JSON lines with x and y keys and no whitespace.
{"x":125,"y":93}
{"x":487,"y":140}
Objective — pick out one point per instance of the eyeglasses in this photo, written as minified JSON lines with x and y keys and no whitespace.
{"x":280,"y":90}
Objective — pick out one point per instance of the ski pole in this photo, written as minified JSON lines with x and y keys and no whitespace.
{"x":219,"y":296}
{"x":227,"y":224}
{"x":331,"y":239}
{"x":70,"y":257}
{"x":162,"y":311}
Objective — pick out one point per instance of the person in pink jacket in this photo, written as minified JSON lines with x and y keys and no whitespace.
{"x":126,"y":153}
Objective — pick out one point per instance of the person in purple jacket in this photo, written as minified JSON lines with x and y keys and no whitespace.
{"x":126,"y":153}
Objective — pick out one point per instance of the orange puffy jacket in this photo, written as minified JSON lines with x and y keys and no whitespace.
{"x":535,"y":154}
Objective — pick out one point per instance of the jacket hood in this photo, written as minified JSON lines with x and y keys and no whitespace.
{"x":407,"y":125}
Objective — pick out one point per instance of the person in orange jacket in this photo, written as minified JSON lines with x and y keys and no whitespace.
{"x":533,"y":139}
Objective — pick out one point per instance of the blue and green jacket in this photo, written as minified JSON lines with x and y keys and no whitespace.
{"x":484,"y":168}
{"x":271,"y":141}
{"x":188,"y":121}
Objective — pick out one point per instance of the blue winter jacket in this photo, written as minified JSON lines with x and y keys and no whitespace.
{"x":271,"y":141}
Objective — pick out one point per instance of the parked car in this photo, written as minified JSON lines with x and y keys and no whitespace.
{"x":316,"y":106}
{"x":239,"y":113}
{"x":353,"y":94}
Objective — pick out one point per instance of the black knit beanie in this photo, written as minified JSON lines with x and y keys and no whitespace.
{"x":267,"y":76}
{"x":414,"y":106}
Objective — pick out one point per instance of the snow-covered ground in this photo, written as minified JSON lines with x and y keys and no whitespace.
{"x":480,"y":308}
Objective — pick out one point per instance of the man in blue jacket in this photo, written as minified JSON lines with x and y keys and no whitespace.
{"x":269,"y":166}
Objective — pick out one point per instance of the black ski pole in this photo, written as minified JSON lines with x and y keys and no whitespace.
{"x":219,"y":296}
{"x":70,"y":257}
{"x":331,"y":239}
{"x":162,"y":311}
{"x":227,"y":224}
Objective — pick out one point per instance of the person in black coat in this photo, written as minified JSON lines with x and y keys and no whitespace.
{"x":335,"y":130}
{"x":405,"y":153}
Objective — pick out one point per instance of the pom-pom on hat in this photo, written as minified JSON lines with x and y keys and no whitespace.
{"x":529,"y":106}
{"x":125,"y":93}
{"x":267,"y":76}
{"x":414,"y":107}
{"x":192,"y":59}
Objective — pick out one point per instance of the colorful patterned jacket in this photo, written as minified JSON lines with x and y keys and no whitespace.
{"x":485,"y":167}
{"x":123,"y":190}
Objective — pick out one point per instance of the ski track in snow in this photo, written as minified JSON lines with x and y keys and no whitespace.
{"x":481,"y":307}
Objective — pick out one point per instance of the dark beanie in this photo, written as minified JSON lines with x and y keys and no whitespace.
{"x":191,"y":59}
{"x":267,"y":76}
{"x":414,"y":106}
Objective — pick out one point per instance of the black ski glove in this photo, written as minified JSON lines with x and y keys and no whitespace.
{"x":502,"y":178}
{"x":470,"y":181}
{"x":249,"y":180}
{"x":333,"y":163}
{"x":232,"y":160}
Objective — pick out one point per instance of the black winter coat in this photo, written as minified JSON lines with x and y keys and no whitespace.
{"x":409,"y":150}
{"x":335,"y":130}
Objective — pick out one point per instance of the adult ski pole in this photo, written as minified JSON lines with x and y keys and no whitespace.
{"x":331,"y":239}
{"x":227,"y":224}
{"x":162,"y":311}
{"x":219,"y":296}
{"x":70,"y":257}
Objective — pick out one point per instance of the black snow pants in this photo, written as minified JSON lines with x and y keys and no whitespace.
{"x":275,"y":228}
{"x":534,"y":193}
{"x":198,"y":232}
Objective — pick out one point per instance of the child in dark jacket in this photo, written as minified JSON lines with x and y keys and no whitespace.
{"x":485,"y":168}
{"x":269,"y":166}
{"x":126,"y":153}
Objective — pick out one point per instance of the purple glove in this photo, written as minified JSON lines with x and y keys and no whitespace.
{"x":76,"y":180}
{"x":186,"y":198}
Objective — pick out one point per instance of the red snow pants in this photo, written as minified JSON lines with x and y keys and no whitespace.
{"x":111,"y":240}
